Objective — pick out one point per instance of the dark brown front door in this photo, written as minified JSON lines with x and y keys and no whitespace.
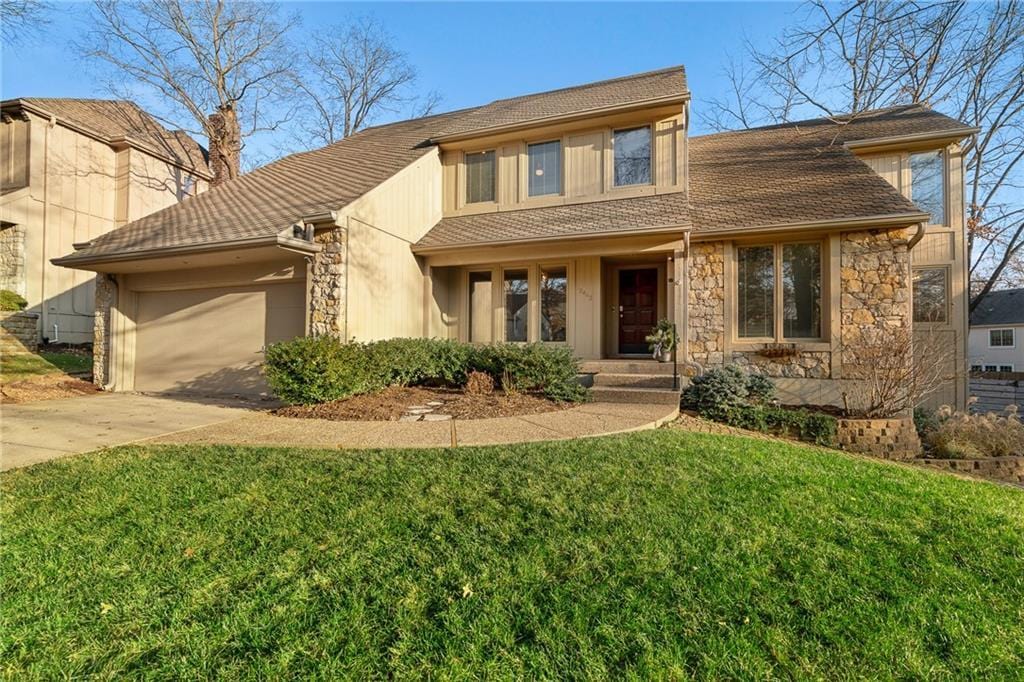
{"x":638,"y":308}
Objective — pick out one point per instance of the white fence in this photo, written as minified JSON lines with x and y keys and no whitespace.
{"x":994,"y":391}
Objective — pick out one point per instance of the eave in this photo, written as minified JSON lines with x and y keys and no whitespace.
{"x":918,"y":139}
{"x":864,"y":222}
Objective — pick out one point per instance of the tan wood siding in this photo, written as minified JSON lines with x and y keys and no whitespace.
{"x":584,"y":165}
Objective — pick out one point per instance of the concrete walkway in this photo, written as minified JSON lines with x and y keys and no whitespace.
{"x":592,"y":419}
{"x":37,"y":432}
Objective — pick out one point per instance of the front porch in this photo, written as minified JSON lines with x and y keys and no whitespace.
{"x":601,"y":298}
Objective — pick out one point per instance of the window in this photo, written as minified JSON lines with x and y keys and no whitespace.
{"x":1005,"y":368}
{"x":517,"y":311}
{"x":991,"y":368}
{"x":544,"y":164}
{"x":930,"y":295}
{"x":632,"y":156}
{"x":756,"y":292}
{"x":480,"y":177}
{"x":927,"y":184}
{"x":553,"y":288}
{"x":480,"y":307}
{"x":1000,"y":338}
{"x":796,"y":268}
{"x":975,"y":368}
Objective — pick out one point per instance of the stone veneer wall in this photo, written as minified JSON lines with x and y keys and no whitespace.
{"x":327,"y":281}
{"x":875,"y":288}
{"x":706,"y":303}
{"x":874,"y":294}
{"x":106,"y":294}
{"x":12,"y":259}
{"x":19,"y":332}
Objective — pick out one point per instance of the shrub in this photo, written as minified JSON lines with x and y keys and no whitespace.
{"x":10,"y":301}
{"x":479,"y":383}
{"x":551,"y":370}
{"x":925,"y":421}
{"x":320,"y":369}
{"x":760,"y":389}
{"x":960,"y":435}
{"x":717,"y":391}
{"x":813,"y":427}
{"x":316,"y":369}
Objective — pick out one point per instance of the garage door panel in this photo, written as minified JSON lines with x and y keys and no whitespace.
{"x":211,"y":340}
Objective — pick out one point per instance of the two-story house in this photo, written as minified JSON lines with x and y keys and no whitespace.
{"x":72,"y":170}
{"x":579,"y":216}
{"x":996,"y":339}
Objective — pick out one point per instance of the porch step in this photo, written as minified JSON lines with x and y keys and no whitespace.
{"x":612,"y":380}
{"x":643,"y":396}
{"x":627,"y":367}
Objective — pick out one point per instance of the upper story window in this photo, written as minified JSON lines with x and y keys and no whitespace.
{"x":544,"y":163}
{"x":632,"y":156}
{"x":927,"y":184}
{"x":480,"y":177}
{"x":1000,"y":338}
{"x":931,"y":298}
{"x":780,"y":282}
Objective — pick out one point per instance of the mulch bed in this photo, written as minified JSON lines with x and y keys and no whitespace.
{"x":47,"y":387}
{"x":392,"y":403}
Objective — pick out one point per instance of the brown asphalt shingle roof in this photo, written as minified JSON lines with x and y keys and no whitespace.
{"x":594,"y":219}
{"x":799,"y":172}
{"x":626,"y":90}
{"x":112,"y":119}
{"x":269,"y":199}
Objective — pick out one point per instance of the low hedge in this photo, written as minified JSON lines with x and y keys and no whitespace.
{"x":311,"y":370}
{"x":11,"y":301}
{"x":813,"y":427}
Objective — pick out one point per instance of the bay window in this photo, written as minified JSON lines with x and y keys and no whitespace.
{"x":778,"y":293}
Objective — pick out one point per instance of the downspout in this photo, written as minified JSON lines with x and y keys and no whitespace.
{"x":918,"y":236}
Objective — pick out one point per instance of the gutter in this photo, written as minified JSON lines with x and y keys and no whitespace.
{"x":955,"y":134}
{"x":285,"y":242}
{"x":559,"y":118}
{"x":891,"y":220}
{"x":663,"y":229}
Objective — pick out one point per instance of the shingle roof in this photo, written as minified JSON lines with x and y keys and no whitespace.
{"x":799,"y":172}
{"x":999,"y":307}
{"x":267,"y":200}
{"x":637,"y":88}
{"x":112,"y":119}
{"x":594,"y":219}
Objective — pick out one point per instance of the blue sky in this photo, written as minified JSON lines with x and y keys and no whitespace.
{"x":474,"y":53}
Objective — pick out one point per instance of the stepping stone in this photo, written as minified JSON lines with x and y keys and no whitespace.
{"x":436,"y":417}
{"x":419,"y":410}
{"x":435,"y":403}
{"x":409,"y":418}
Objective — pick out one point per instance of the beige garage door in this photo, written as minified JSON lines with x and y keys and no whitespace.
{"x":209,"y":341}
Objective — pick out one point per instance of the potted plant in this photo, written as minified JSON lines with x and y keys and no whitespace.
{"x":662,"y":340}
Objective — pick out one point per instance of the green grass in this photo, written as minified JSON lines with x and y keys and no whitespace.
{"x":24,"y":365}
{"x":658,"y":554}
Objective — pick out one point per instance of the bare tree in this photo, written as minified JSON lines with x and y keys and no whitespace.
{"x":21,"y":18}
{"x":355,"y":75}
{"x":223,"y":65}
{"x":964,"y":58}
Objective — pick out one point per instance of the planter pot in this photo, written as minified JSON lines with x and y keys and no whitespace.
{"x":664,"y":356}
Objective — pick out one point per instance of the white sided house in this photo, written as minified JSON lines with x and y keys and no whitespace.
{"x":996,"y":340}
{"x":579,"y":216}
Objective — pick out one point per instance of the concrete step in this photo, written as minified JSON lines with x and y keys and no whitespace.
{"x":636,"y":396}
{"x":633,"y":380}
{"x":627,"y":367}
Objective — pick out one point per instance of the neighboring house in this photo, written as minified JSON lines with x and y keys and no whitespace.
{"x":577,"y":216}
{"x":75,"y":169}
{"x":995,"y":343}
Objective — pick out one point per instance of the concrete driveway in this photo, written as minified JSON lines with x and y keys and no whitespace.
{"x":37,"y":432}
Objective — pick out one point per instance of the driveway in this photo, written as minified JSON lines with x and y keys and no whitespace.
{"x":37,"y":432}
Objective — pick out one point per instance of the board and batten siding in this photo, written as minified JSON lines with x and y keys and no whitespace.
{"x":942,"y":246}
{"x":587,"y":164}
{"x":385,"y":281}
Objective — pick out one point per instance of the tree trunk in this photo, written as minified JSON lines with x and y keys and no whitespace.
{"x":225,"y":145}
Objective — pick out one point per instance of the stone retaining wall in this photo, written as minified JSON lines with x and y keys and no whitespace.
{"x":886,"y":438}
{"x":1004,"y":469}
{"x":18,"y":332}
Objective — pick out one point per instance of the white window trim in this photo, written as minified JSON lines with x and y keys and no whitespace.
{"x":1013,"y":334}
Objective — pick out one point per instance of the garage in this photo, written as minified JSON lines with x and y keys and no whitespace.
{"x":210,"y":340}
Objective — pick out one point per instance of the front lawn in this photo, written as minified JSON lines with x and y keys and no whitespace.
{"x":18,"y":366}
{"x":662,"y":554}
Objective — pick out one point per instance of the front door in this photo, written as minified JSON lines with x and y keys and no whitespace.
{"x":638,"y":308}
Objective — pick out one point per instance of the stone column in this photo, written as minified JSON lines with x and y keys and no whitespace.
{"x":106,"y":297}
{"x":327,"y":304}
